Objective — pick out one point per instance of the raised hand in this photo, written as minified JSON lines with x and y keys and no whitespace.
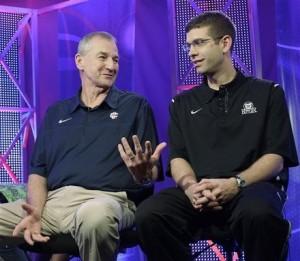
{"x":30,"y":226}
{"x":140,"y":163}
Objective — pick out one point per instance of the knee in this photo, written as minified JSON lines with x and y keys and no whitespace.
{"x":260,"y":215}
{"x":147,"y":215}
{"x":97,"y":218}
{"x":259,"y":211}
{"x":93,"y":222}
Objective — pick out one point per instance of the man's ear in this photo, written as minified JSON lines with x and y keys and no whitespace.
{"x":227,"y":43}
{"x":79,"y":61}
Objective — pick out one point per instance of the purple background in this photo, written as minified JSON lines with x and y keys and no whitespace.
{"x":144,"y":31}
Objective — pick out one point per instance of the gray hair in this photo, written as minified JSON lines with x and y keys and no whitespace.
{"x":84,"y":42}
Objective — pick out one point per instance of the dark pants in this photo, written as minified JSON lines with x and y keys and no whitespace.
{"x":167,"y":223}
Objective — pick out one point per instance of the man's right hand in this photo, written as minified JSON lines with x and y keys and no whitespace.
{"x":140,"y":163}
{"x":201,"y":197}
{"x":30,"y":226}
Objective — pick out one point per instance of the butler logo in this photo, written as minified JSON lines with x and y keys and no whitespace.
{"x":248,"y":108}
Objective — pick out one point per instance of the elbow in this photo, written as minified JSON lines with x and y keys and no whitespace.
{"x":279,"y":163}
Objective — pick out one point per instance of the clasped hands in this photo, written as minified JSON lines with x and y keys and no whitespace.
{"x":211,"y":194}
{"x":140,"y":163}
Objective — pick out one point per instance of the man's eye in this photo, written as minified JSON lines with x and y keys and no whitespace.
{"x":199,"y":42}
{"x":101,"y":57}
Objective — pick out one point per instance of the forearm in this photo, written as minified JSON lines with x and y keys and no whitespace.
{"x":182,"y":173}
{"x":37,"y":192}
{"x":265,"y":168}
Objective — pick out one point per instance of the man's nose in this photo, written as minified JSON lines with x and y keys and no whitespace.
{"x":109,"y":63}
{"x":192,"y":52}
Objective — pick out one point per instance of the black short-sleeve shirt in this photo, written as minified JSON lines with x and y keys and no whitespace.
{"x":77,"y":145}
{"x":221,"y":133}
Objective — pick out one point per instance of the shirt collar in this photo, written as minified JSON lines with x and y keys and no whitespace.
{"x":111,"y":99}
{"x":235,"y":83}
{"x":231,"y":86}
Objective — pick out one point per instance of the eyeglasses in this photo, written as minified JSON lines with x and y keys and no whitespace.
{"x":197,"y":43}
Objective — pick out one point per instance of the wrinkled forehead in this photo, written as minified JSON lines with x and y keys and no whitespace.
{"x":99,"y":44}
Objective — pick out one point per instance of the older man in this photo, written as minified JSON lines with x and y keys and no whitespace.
{"x":85,"y":178}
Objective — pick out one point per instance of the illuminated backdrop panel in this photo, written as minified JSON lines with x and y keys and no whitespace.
{"x":11,"y":167}
{"x":238,"y":11}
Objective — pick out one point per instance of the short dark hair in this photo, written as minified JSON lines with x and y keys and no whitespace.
{"x":219,"y":24}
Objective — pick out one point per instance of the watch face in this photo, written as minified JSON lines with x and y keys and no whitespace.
{"x":240,"y":182}
{"x":243,"y":183}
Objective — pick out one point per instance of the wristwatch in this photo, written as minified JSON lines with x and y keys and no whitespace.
{"x":241,"y":183}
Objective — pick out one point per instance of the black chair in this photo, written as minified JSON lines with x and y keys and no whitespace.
{"x":215,"y":236}
{"x":222,"y":236}
{"x":64,"y":243}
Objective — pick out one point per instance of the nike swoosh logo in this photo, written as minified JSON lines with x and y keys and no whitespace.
{"x":62,"y":121}
{"x":196,"y":111}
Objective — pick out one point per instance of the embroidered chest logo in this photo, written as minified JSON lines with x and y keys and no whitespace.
{"x":114,"y":115}
{"x":196,"y":111}
{"x":248,"y":108}
{"x":64,"y":120}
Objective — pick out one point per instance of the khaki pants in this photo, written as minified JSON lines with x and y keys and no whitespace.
{"x":94,"y":218}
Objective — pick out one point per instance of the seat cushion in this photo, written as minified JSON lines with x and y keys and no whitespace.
{"x":13,"y":192}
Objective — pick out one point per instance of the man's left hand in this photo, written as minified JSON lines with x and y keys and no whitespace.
{"x":140,"y":163}
{"x":222,"y":189}
{"x":30,"y":225}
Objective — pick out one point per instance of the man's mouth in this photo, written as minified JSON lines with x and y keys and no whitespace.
{"x":198,"y":62}
{"x":108,"y":75}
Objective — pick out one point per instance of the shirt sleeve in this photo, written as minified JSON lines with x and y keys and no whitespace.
{"x":176,"y":139}
{"x":278,"y":138}
{"x":38,"y":157}
{"x":147,"y":131}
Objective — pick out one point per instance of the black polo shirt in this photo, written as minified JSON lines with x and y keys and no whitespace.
{"x":221,"y":133}
{"x":78,"y":146}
